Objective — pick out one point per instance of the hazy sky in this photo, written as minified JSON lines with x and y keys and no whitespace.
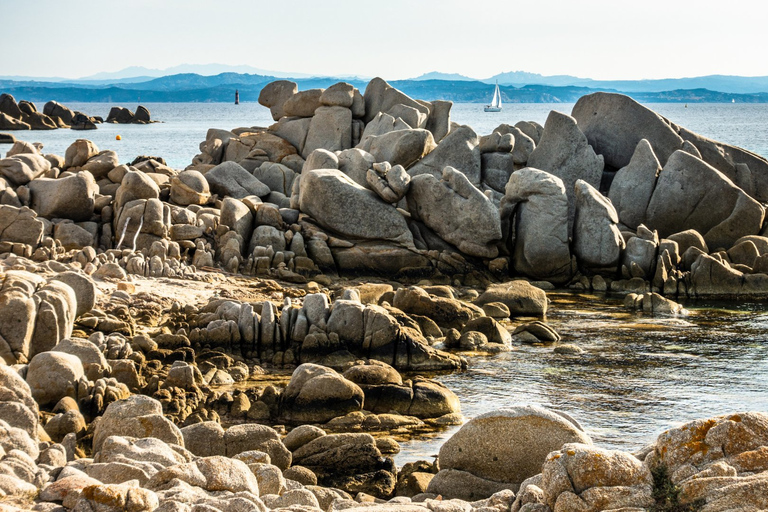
{"x":606,"y":39}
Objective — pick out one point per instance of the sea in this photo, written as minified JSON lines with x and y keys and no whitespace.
{"x":183,"y":126}
{"x":638,"y":375}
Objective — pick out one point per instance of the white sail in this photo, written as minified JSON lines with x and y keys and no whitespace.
{"x":495,"y":105}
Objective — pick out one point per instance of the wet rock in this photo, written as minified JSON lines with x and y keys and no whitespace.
{"x":522,"y":298}
{"x":348,"y":461}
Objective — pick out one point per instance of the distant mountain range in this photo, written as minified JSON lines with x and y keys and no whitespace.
{"x":516,"y":87}
{"x":720,"y":83}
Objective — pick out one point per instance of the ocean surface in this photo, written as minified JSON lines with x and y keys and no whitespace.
{"x":638,"y":376}
{"x":184,"y":125}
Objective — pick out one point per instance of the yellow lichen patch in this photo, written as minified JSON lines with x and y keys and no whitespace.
{"x":734,"y":417}
{"x":571,"y":452}
{"x":697,"y":444}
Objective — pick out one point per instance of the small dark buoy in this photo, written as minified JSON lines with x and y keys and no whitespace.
{"x":237,"y":97}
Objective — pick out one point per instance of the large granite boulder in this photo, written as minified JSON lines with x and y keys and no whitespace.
{"x":633,"y":185}
{"x":73,"y":197}
{"x":597,"y":241}
{"x":534,"y":213}
{"x":459,"y":149}
{"x":331,"y":129}
{"x":591,"y":479}
{"x":56,"y":109}
{"x":563,"y":151}
{"x":521,"y":297}
{"x":17,"y":405}
{"x":379,"y":96}
{"x":399,"y":147}
{"x":317,"y":394}
{"x":614,"y":124}
{"x":690,"y":194}
{"x":350,"y":462}
{"x":303,"y":103}
{"x":20,"y":225}
{"x":457,"y":211}
{"x":189,"y":187}
{"x":214,"y":473}
{"x":20,"y":169}
{"x":338,"y":203}
{"x":53,"y":375}
{"x":504,"y":447}
{"x":275,"y":94}
{"x":79,"y":152}
{"x":137,"y":416}
{"x":718,"y":463}
{"x":230,"y":179}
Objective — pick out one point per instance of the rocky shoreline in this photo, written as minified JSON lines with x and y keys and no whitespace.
{"x":23,"y":115}
{"x":192,"y":340}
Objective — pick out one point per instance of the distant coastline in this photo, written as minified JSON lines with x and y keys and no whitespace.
{"x":184,"y":88}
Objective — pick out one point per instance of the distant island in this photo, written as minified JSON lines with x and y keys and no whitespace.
{"x":516,"y":87}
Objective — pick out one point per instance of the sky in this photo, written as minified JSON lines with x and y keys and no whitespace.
{"x":394,"y":39}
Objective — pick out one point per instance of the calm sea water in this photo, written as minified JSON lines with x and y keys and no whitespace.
{"x":184,"y":125}
{"x":638,"y":377}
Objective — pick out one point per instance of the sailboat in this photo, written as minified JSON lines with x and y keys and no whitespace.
{"x":495,"y":105}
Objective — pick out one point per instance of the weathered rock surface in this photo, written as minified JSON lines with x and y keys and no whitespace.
{"x":534,"y":214}
{"x":231,"y":179}
{"x":457,"y":211}
{"x":563,"y":151}
{"x":317,"y":394}
{"x":340,"y":204}
{"x":530,"y":433}
{"x":690,"y":194}
{"x":583,"y":477}
{"x":597,"y":241}
{"x":459,"y":149}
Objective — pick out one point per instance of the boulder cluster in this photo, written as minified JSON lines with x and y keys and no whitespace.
{"x":25,"y":116}
{"x":180,"y":340}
